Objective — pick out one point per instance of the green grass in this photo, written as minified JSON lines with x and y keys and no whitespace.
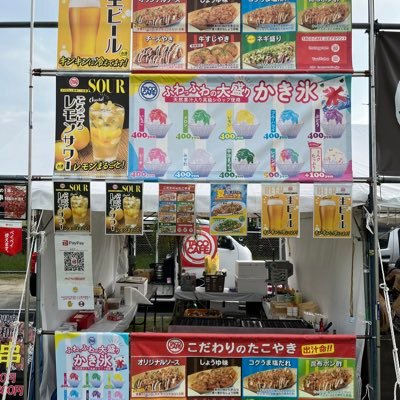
{"x":143,"y":260}
{"x":15,"y":263}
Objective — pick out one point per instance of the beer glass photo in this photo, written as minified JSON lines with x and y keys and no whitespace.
{"x":106,"y":125}
{"x":131,"y":211}
{"x":84,"y":20}
{"x":327,"y":213}
{"x":275,"y":214}
{"x":79,"y":207}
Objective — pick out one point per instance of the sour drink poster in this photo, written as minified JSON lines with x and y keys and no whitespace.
{"x":91,"y":133}
{"x":240,"y":128}
{"x":92,"y":365}
{"x":94,"y":35}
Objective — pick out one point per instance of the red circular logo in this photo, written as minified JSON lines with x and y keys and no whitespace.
{"x":175,"y":345}
{"x":194,"y":249}
{"x":74,"y":81}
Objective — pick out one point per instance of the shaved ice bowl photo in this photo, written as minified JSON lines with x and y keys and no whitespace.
{"x":289,"y":124}
{"x":289,"y":162}
{"x":334,"y":162}
{"x":333,"y":123}
{"x":201,"y":163}
{"x":201,"y":124}
{"x":245,"y":124}
{"x":157,"y":124}
{"x":157,"y":162}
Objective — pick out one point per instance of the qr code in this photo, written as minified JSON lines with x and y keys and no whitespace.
{"x":74,"y":261}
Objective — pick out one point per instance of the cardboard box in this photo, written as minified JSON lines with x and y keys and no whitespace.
{"x":251,"y":269}
{"x":250,"y":285}
{"x":144,"y":272}
{"x":83,"y":319}
{"x":136,"y":282}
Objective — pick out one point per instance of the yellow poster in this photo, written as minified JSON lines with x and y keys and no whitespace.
{"x":280,"y":210}
{"x":332,"y":211}
{"x":94,"y":35}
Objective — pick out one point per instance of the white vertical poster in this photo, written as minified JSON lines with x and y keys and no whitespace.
{"x":74,"y":272}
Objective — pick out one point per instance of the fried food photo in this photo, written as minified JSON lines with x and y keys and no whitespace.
{"x":324,"y":15}
{"x":270,"y":15}
{"x":159,"y":17}
{"x":220,"y":54}
{"x":155,"y":56}
{"x":276,"y":54}
{"x":278,"y":379}
{"x":326,"y":380}
{"x":207,"y":17}
{"x":211,"y":379}
{"x":159,"y":380}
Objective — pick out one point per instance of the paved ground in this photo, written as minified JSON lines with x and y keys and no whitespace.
{"x":11,"y":288}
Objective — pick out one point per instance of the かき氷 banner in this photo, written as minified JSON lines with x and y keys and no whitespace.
{"x":92,"y":365}
{"x":94,"y":35}
{"x":227,"y":127}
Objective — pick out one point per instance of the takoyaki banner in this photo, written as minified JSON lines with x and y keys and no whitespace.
{"x":235,"y":128}
{"x":94,"y":35}
{"x":204,"y":366}
{"x":92,"y":365}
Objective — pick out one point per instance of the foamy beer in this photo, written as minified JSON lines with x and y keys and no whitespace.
{"x":84,"y":19}
{"x":275,"y":213}
{"x":131,"y":211}
{"x":79,"y":208}
{"x":327,"y":213}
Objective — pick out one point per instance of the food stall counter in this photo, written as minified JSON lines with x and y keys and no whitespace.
{"x":227,"y":295}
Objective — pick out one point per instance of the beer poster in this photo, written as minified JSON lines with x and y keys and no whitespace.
{"x":92,"y":365}
{"x":332,"y":211}
{"x":94,"y":35}
{"x":228,"y":209}
{"x":13,"y":200}
{"x":72,"y":206}
{"x":92,"y":121}
{"x":223,"y":128}
{"x":176,"y":209}
{"x":124,"y":208}
{"x":280,"y":216}
{"x":74,"y":272}
{"x":159,"y":16}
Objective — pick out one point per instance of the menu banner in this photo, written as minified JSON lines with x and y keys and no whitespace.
{"x":13,"y":200}
{"x":176,"y":209}
{"x":15,"y":388}
{"x":225,"y":128}
{"x":94,"y":35}
{"x":10,"y":237}
{"x":124,"y":208}
{"x":242,"y":366}
{"x":92,"y":365}
{"x":228,"y":209}
{"x":332,"y":211}
{"x":92,"y":121}
{"x":71,"y":206}
{"x":280,"y":214}
{"x":74,"y":272}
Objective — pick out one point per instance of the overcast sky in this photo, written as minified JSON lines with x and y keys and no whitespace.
{"x":14,"y":72}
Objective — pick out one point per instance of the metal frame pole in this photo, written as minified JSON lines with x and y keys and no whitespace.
{"x":29,"y":210}
{"x":374,"y":344}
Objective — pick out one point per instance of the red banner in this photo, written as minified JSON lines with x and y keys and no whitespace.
{"x":229,"y":366}
{"x":10,"y":237}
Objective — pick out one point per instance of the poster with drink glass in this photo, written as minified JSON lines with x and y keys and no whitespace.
{"x":13,"y":200}
{"x":176,"y":209}
{"x":280,"y":216}
{"x":124,"y":208}
{"x":332,"y":211}
{"x":94,"y":35}
{"x":74,"y":272}
{"x":92,"y":365}
{"x":8,"y":321}
{"x":92,"y":121}
{"x":72,"y":206}
{"x":242,"y":366}
{"x":227,"y":128}
{"x":228,"y":209}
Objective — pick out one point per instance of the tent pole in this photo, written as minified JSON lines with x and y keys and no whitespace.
{"x":374,"y":347}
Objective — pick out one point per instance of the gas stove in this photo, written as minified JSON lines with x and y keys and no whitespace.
{"x":239,"y":325}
